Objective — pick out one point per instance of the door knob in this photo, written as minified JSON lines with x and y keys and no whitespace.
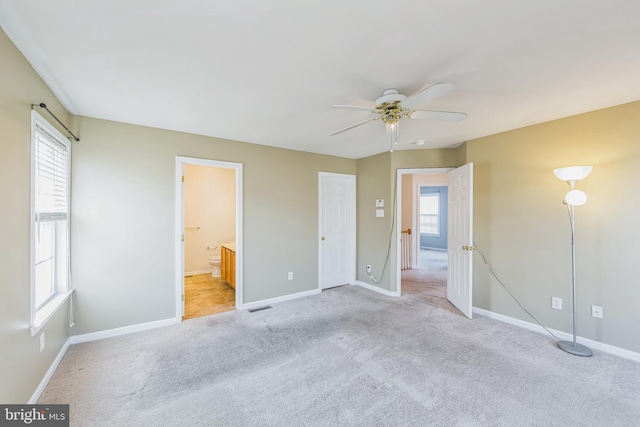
{"x":323,"y":238}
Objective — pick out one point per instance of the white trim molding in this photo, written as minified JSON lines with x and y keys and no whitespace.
{"x":77,"y":339}
{"x":377,"y":289}
{"x":596,"y":345}
{"x":179,"y":228}
{"x":194,"y":273}
{"x":49,"y":374}
{"x":416,"y":221}
{"x":125,"y":330}
{"x":261,"y":303}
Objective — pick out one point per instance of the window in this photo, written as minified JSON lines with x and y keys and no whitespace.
{"x":430,"y":214}
{"x":50,"y":157}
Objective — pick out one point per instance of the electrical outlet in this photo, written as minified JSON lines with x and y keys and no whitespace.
{"x":42,"y":342}
{"x":596,"y":311}
{"x":368,"y":268}
{"x":290,"y":275}
{"x":556,"y":303}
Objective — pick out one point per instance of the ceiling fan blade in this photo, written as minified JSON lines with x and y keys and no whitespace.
{"x":353,"y":126}
{"x":425,"y":95}
{"x":446,"y":116}
{"x":353,"y":107}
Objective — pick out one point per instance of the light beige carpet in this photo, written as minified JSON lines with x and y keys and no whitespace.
{"x":346,"y":357}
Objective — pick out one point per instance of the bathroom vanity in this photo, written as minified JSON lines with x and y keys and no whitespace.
{"x":228,"y":263}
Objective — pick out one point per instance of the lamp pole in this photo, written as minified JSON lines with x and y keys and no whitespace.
{"x":572,"y":346}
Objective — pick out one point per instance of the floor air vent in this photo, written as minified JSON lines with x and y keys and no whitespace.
{"x":253,"y":310}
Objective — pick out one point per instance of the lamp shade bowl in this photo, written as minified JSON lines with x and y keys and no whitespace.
{"x":573,"y":173}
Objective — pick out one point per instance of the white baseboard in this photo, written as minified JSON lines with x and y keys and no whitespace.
{"x":193,"y":273}
{"x":47,"y":376}
{"x":76,"y":339}
{"x":377,"y":289}
{"x":261,"y":303}
{"x":595,"y":345}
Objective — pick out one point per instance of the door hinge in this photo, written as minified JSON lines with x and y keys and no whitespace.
{"x":182,"y":297}
{"x":182,"y":178}
{"x":183,"y":237}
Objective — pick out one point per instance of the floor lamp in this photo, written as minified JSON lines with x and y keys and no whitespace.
{"x":571,"y":175}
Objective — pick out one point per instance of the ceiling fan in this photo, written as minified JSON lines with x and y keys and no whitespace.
{"x":393,"y":105}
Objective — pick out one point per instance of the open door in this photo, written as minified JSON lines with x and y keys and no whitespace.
{"x":460,"y":272}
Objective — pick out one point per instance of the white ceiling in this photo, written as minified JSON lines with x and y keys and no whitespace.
{"x":267,"y":71}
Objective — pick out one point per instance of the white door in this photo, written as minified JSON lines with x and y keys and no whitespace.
{"x":337,"y":229}
{"x":459,"y":273}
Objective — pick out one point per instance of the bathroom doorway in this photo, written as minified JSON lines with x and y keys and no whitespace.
{"x":208,"y":229}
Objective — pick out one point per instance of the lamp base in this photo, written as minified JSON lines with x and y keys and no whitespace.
{"x":578,"y":349}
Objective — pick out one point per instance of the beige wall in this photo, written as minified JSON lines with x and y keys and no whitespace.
{"x":374,"y":182}
{"x":523,"y":229}
{"x":21,"y":363}
{"x":209,"y":214}
{"x":123,"y":219}
{"x":407,"y":201}
{"x":377,"y":180}
{"x":410,"y":186}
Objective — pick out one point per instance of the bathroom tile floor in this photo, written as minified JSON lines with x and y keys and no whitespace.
{"x":204,"y":295}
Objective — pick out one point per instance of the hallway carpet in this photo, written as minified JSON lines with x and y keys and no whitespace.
{"x":345,"y":357}
{"x":429,"y":282}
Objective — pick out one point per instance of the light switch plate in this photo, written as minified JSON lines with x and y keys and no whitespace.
{"x":379,"y":213}
{"x":379,"y":203}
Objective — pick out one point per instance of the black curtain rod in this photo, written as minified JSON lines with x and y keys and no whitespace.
{"x":43,"y":105}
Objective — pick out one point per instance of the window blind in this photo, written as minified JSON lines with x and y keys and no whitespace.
{"x":51,"y":177}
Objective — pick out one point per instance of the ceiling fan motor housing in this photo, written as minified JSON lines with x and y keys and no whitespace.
{"x":390,"y":95}
{"x":388,"y":106}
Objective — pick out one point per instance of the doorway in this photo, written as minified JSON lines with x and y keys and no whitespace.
{"x":423,"y":214}
{"x":208,"y":232}
{"x":459,"y":278}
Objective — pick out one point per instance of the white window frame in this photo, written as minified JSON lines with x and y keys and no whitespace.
{"x":438,"y":195}
{"x":62,"y":286}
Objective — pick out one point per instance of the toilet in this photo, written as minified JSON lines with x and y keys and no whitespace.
{"x":215,"y":265}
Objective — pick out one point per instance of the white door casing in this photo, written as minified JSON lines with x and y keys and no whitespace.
{"x":179,"y":228}
{"x":415,"y":219}
{"x":336,"y":229}
{"x":460,"y":271}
